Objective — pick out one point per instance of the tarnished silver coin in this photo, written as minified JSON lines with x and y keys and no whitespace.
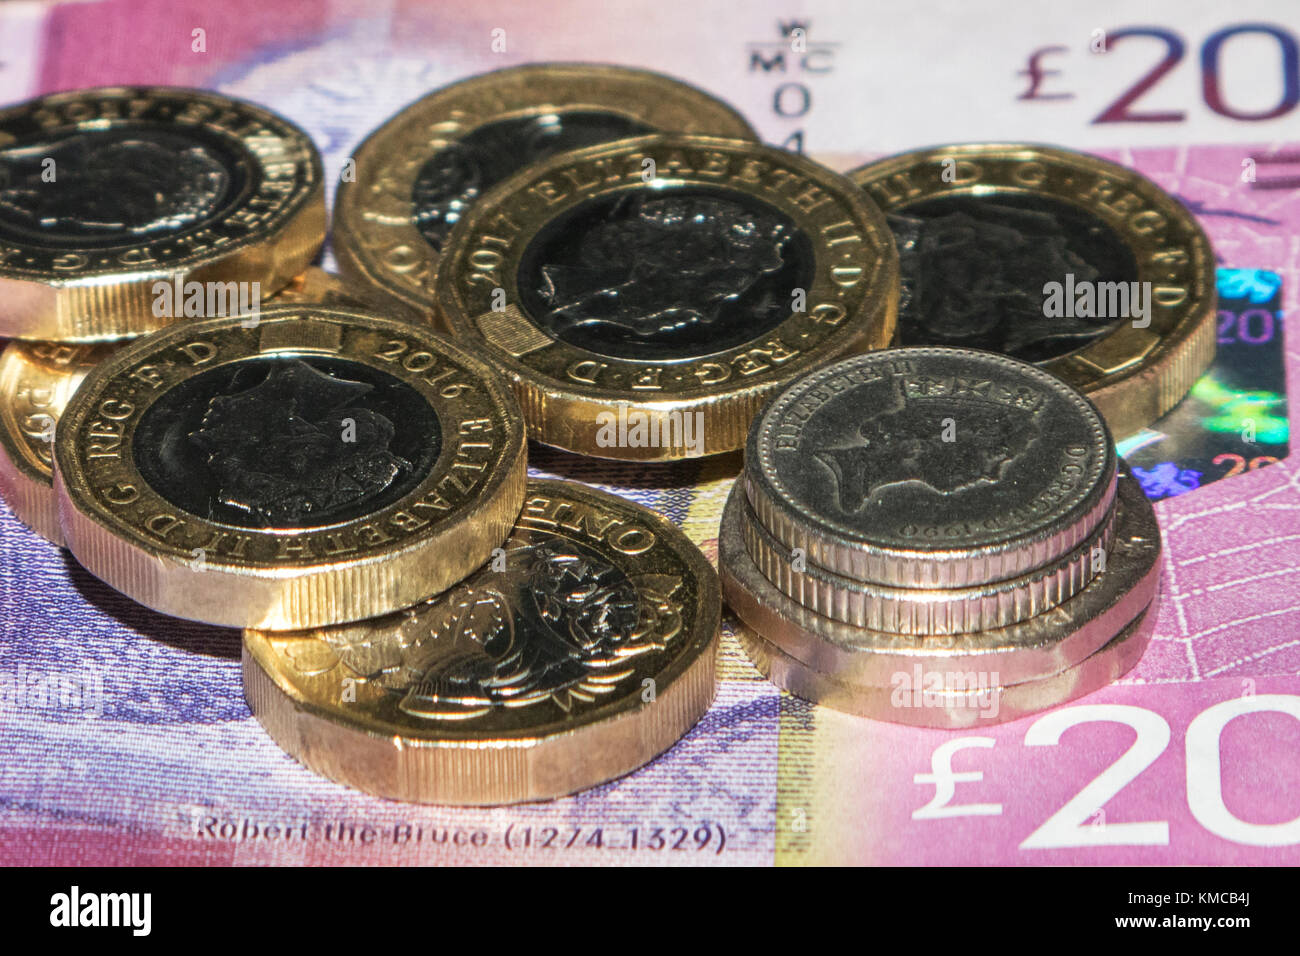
{"x":930,"y":468}
{"x":1046,"y":644}
{"x":964,"y":699}
{"x":976,"y":607}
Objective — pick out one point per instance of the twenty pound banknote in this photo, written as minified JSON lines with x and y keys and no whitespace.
{"x":125,"y":735}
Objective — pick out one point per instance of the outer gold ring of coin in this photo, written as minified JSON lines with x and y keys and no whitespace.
{"x":589,"y":653}
{"x":1134,"y":375}
{"x":37,"y":379}
{"x":1051,"y":642}
{"x":928,"y":611}
{"x":316,"y":285}
{"x":375,"y":236}
{"x":266,"y":232}
{"x":973,"y":704}
{"x":582,"y":400}
{"x":131,"y":533}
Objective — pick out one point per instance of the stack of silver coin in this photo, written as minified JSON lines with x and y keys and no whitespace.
{"x":939,"y":537}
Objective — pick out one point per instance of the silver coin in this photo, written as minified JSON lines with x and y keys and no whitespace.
{"x":1039,"y":647}
{"x":975,"y":701}
{"x":930,"y":467}
{"x":977,"y":607}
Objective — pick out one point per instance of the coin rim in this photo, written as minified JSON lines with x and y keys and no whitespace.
{"x":849,"y":552}
{"x":286,"y":595}
{"x":1149,"y":383}
{"x":106,"y":304}
{"x":1103,"y":667}
{"x":564,"y":413}
{"x":528,"y":90}
{"x":927,"y":611}
{"x":27,"y":490}
{"x":459,"y":767}
{"x":1047,"y":644}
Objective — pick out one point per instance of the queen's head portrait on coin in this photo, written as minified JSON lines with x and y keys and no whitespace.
{"x":104,"y":193}
{"x":1077,"y":264}
{"x":667,"y":284}
{"x":305,"y":465}
{"x":927,"y":467}
{"x":419,"y":174}
{"x":38,"y":379}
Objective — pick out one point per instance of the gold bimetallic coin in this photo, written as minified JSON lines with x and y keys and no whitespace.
{"x":36,"y":381}
{"x":108,"y":194}
{"x":316,"y":285}
{"x":1046,"y":644}
{"x":1082,"y":266}
{"x":582,"y":651}
{"x":38,"y":378}
{"x":970,"y":700}
{"x":307,"y":465}
{"x":423,"y":170}
{"x":645,"y":297}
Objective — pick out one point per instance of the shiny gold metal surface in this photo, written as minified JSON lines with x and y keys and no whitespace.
{"x":1137,"y":370}
{"x":316,"y":285}
{"x":305,"y":466}
{"x":456,"y":142}
{"x":146,"y":187}
{"x":646,"y":337}
{"x":583,"y":651}
{"x":38,"y":378}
